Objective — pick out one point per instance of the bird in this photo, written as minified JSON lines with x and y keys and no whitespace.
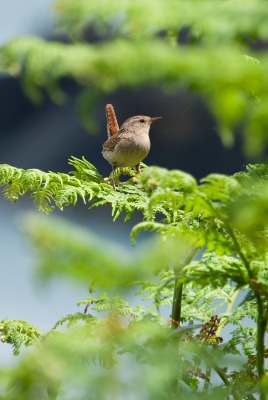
{"x":128,"y":145}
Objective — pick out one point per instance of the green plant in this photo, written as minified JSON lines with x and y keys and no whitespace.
{"x":206,"y":261}
{"x":131,"y":53}
{"x":189,"y":218}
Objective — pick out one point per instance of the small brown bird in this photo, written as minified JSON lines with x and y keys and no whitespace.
{"x":128,"y":146}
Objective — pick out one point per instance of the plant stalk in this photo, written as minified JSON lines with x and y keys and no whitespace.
{"x":228,"y":310}
{"x":210,"y":362}
{"x":260,"y":346}
{"x":176,"y":304}
{"x":261,"y":320}
{"x":177,"y":296}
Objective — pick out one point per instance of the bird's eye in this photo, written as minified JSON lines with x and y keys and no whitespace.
{"x":142,"y":120}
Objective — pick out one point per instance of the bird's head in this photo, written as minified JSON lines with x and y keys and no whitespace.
{"x":139,"y":124}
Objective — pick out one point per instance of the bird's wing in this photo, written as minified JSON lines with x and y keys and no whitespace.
{"x":111,"y":143}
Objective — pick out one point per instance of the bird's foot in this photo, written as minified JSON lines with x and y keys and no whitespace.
{"x":138,"y":168}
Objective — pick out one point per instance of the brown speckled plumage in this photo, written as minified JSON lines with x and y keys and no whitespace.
{"x":131,"y":144}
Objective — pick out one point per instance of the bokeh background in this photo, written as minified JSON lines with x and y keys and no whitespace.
{"x":45,"y":136}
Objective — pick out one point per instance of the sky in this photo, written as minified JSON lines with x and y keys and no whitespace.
{"x":27,"y":17}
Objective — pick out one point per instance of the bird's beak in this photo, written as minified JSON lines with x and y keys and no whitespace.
{"x":155,"y":119}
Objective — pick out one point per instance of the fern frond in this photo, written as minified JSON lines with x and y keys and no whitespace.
{"x":210,"y":214}
{"x":169,"y":203}
{"x":85,"y":171}
{"x":116,"y":305}
{"x":147,"y":226}
{"x":200,"y":302}
{"x":68,"y":195}
{"x":7,"y":173}
{"x":43,"y":198}
{"x":232,"y":18}
{"x":17,"y":333}
{"x":74,"y":319}
{"x":161,"y":292}
{"x":219,"y":188}
{"x":47,"y":188}
{"x":170,"y":180}
{"x":216,"y":270}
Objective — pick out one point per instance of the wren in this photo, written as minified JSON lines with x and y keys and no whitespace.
{"x":129,"y":145}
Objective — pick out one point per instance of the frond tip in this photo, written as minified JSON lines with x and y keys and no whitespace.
{"x":50,"y":189}
{"x":17,"y":333}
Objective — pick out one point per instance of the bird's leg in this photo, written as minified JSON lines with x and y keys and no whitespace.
{"x":138,"y":168}
{"x":113,"y":179}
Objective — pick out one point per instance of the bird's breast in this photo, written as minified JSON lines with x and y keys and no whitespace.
{"x":129,"y":151}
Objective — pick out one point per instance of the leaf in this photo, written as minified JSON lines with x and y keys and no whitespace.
{"x":17,"y":333}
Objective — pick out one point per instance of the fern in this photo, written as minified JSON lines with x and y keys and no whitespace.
{"x":234,"y":20}
{"x":18,"y":333}
{"x":208,"y":213}
{"x":49,"y":187}
{"x":207,"y":259}
{"x":85,"y":171}
{"x":115,"y":305}
{"x":45,"y":63}
{"x":219,"y":269}
{"x":74,"y":319}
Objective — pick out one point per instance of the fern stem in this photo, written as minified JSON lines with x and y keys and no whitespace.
{"x":260,"y":347}
{"x":224,"y":378}
{"x":176,"y":304}
{"x":228,"y":310}
{"x":221,"y":374}
{"x":261,"y":318}
{"x":210,"y":361}
{"x":178,"y":290}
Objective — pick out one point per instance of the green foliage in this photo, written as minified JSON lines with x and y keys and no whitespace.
{"x":17,"y":333}
{"x":205,"y":265}
{"x":201,"y":256}
{"x":202,"y":16}
{"x":139,"y":46}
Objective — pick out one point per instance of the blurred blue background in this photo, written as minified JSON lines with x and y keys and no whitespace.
{"x":45,"y":136}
